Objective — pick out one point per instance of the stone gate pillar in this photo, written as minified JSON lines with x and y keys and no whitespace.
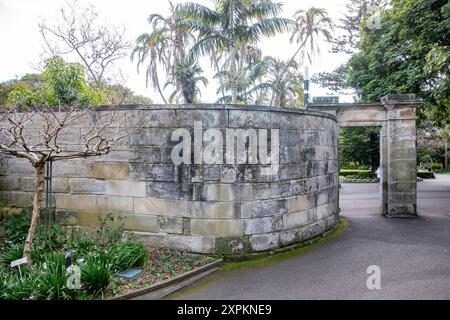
{"x":398,"y":155}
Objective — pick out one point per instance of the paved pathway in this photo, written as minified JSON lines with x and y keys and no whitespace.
{"x":413,"y":254}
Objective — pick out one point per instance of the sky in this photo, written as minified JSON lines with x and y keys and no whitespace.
{"x":22,"y":45}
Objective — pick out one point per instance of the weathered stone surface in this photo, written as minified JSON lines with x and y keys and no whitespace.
{"x":140,"y":222}
{"x":264,"y":242}
{"x":215,"y":210}
{"x":116,"y":171}
{"x":151,"y":118}
{"x":90,"y":186}
{"x":126,"y":188}
{"x":209,"y":118}
{"x":151,"y":137}
{"x":227,"y":192}
{"x":115,"y":204}
{"x":217,"y":228}
{"x":153,"y":172}
{"x":268,"y":208}
{"x":86,"y":203}
{"x":249,"y":119}
{"x":224,"y":208}
{"x":232,"y":245}
{"x":262,"y":225}
{"x":297,"y":219}
{"x":170,"y":190}
{"x":301,"y":202}
{"x":191,"y":243}
{"x":66,"y":217}
{"x":171,"y":225}
{"x":164,"y":207}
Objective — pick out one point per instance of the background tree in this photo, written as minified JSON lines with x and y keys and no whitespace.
{"x":359,"y":146}
{"x":187,"y":74}
{"x":410,"y":53}
{"x":230,"y":26}
{"x":53,"y":109}
{"x":347,"y":38}
{"x":309,"y":28}
{"x":166,"y":46}
{"x":78,"y":32}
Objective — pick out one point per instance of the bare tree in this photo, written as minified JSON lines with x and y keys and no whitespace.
{"x":104,"y":132}
{"x":78,"y":31}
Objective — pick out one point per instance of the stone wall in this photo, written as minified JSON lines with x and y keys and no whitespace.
{"x":221,"y":208}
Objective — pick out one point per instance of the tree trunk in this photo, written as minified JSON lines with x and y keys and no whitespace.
{"x":160,"y":92}
{"x":280,"y":77}
{"x":39,"y":191}
{"x":446,"y":153}
{"x":233,"y":56}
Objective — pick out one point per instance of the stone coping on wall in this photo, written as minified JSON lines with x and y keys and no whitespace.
{"x":204,"y":106}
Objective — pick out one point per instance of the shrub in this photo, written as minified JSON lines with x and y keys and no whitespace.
{"x":436,"y":167}
{"x":15,"y":287}
{"x":426,"y":174}
{"x":110,"y":230}
{"x":129,"y":254}
{"x":356,"y":175}
{"x":96,"y":273}
{"x":16,"y":228}
{"x":52,"y":279}
{"x":11,"y":253}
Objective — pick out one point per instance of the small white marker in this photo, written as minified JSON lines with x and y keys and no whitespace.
{"x":18,"y":262}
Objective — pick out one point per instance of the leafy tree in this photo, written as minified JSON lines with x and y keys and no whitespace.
{"x":165,"y":45}
{"x":410,"y":53}
{"x":359,"y":146}
{"x":53,"y":107}
{"x":230,"y":26}
{"x":187,"y":74}
{"x":62,"y":84}
{"x":309,"y":28}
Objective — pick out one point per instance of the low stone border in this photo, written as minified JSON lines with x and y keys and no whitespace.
{"x":162,"y":286}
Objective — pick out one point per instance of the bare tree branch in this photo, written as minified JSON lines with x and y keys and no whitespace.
{"x":78,"y":31}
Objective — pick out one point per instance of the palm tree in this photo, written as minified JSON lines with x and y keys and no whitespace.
{"x":187,"y":74}
{"x":309,"y":27}
{"x":286,"y":82}
{"x":166,"y":45}
{"x":230,"y":26}
{"x":250,"y":83}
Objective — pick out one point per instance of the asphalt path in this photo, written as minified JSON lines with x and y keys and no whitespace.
{"x":413,"y":256}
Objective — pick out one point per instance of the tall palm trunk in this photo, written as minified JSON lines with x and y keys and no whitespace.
{"x":277,"y":83}
{"x":160,"y":91}
{"x":233,"y":56}
{"x":39,"y":191}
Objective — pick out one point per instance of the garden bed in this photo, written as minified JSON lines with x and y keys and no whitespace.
{"x":164,"y":264}
{"x":97,"y":257}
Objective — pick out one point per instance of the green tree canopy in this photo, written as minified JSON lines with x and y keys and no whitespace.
{"x":409,"y":53}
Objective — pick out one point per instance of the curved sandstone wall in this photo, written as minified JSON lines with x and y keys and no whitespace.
{"x":222,"y":206}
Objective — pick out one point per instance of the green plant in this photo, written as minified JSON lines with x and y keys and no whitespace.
{"x":129,"y":254}
{"x":15,"y":285}
{"x":96,"y":273}
{"x":11,"y":253}
{"x":16,"y":228}
{"x":436,"y":167}
{"x":426,"y":174}
{"x":110,"y":230}
{"x":52,"y":279}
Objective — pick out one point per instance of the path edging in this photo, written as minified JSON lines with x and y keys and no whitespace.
{"x":206,"y":270}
